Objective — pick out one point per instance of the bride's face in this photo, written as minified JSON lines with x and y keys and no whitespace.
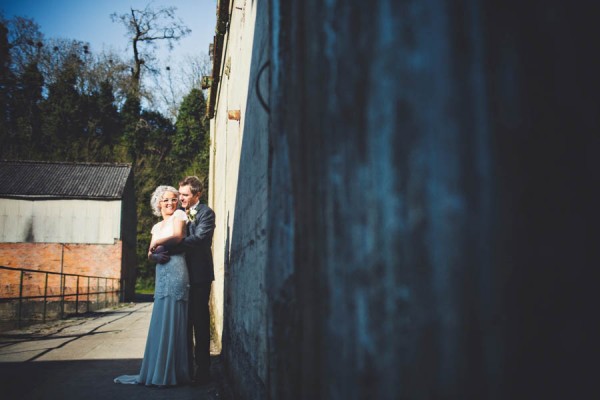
{"x":168,"y":203}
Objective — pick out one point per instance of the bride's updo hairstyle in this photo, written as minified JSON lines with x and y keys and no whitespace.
{"x":157,"y":197}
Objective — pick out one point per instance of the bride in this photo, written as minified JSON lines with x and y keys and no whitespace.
{"x":166,"y":357}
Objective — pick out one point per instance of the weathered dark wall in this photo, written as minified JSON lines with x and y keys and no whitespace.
{"x":433,"y":199}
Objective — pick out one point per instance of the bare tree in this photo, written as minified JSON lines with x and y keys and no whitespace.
{"x":175,"y":83}
{"x":26,"y":42}
{"x":28,"y":47}
{"x":109,"y":67}
{"x":194,"y":68}
{"x":144,"y":29}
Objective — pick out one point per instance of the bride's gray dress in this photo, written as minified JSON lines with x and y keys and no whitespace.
{"x":166,"y":357}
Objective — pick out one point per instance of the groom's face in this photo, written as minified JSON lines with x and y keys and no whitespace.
{"x":186,"y":197}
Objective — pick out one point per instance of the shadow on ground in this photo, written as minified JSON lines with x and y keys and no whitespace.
{"x":93,"y":379}
{"x":143,"y":298}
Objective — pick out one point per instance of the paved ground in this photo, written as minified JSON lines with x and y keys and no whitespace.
{"x":78,"y":358}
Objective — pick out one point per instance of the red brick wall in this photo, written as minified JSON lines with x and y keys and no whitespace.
{"x":81,"y":259}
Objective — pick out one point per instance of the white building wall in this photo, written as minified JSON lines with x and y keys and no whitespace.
{"x":238,"y":194}
{"x":60,"y":221}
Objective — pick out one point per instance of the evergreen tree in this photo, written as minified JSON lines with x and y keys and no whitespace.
{"x":7,"y":83}
{"x":64,"y":113}
{"x":191,"y":142}
{"x":130,"y":114}
{"x":104,"y":124}
{"x":27,"y":113}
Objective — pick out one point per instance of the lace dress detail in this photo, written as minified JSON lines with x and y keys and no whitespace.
{"x":171,"y":278}
{"x":167,"y":357}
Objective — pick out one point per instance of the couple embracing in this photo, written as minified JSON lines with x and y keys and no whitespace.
{"x":178,"y":344}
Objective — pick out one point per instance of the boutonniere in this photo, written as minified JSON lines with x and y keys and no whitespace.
{"x":192,"y":214}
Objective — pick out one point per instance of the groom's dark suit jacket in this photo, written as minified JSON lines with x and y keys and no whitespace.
{"x":197,"y":245}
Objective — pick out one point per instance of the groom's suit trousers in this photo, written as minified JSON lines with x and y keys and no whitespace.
{"x":199,"y":328}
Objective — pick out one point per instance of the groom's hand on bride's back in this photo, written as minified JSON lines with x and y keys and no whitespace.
{"x":160,"y":258}
{"x":159,"y":255}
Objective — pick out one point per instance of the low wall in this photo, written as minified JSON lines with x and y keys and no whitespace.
{"x":80,"y":259}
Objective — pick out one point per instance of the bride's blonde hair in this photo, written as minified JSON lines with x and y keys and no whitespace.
{"x":157,"y":197}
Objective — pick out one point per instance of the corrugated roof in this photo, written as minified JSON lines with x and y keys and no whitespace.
{"x":40,"y":179}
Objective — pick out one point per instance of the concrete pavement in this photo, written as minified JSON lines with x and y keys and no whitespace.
{"x":78,"y":358}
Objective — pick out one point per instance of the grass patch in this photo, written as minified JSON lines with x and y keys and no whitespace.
{"x":144,"y":285}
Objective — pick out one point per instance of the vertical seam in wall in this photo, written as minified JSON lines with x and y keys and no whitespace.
{"x":224,"y":51}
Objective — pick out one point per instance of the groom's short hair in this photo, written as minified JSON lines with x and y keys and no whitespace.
{"x":194,"y":182}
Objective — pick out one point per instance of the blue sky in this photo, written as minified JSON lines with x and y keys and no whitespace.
{"x":89,"y":20}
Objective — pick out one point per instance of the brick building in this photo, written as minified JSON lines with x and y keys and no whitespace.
{"x":75,"y":218}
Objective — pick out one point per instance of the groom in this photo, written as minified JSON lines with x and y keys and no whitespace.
{"x":198,"y":256}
